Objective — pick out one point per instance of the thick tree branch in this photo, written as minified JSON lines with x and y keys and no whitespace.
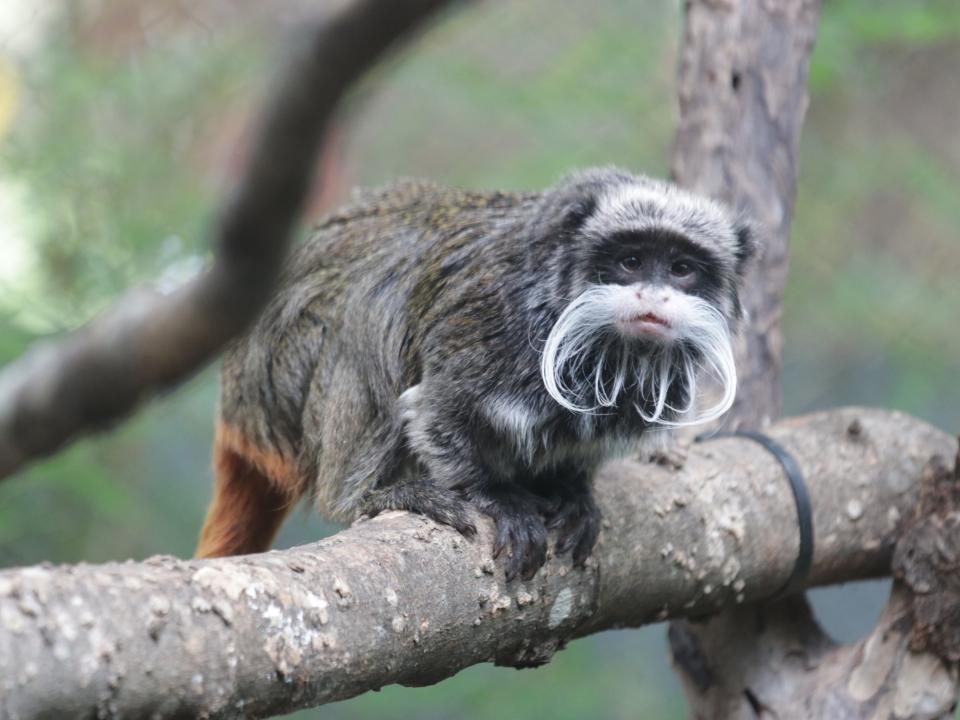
{"x":148,"y":342}
{"x":774,"y":661}
{"x":773,"y":658}
{"x":402,"y":600}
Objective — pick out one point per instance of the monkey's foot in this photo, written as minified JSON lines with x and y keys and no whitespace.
{"x":518,"y":516}
{"x":445,"y":506}
{"x":578,"y":520}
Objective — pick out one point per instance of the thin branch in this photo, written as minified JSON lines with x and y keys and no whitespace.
{"x":402,"y":600}
{"x":148,"y":342}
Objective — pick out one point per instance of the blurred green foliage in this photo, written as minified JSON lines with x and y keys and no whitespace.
{"x":121,"y":149}
{"x":852,"y":28}
{"x":107,"y":148}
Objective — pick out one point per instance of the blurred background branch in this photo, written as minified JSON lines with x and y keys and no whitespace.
{"x":150,"y":341}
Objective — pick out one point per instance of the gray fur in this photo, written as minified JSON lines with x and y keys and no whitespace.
{"x":444,"y":298}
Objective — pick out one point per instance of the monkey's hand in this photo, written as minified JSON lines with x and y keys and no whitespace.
{"x":519,"y":518}
{"x":578,"y":520}
{"x":445,"y":506}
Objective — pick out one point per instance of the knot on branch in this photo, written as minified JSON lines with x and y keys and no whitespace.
{"x":927,"y":560}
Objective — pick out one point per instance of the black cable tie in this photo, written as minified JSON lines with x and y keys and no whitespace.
{"x":801,"y":496}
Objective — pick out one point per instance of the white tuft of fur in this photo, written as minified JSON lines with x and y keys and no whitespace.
{"x":585,"y":349}
{"x":513,"y":418}
{"x":654,"y":204}
{"x":408,"y":403}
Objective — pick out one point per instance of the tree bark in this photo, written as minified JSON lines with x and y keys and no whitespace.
{"x":743,"y":96}
{"x":400,"y":599}
{"x":772,"y":660}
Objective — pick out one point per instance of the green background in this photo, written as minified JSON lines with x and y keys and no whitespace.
{"x":131,"y":118}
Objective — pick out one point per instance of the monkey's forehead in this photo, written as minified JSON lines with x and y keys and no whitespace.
{"x":655,"y":205}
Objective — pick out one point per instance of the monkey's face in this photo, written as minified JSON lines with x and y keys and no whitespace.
{"x":650,"y":306}
{"x":653,"y":278}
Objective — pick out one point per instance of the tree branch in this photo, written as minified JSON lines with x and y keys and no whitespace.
{"x":402,"y":600}
{"x":774,"y":658}
{"x":149,"y":342}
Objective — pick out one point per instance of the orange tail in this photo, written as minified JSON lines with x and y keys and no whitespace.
{"x":253,"y":492}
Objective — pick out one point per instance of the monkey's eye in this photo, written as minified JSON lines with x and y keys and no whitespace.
{"x":630,"y":263}
{"x":681,"y":268}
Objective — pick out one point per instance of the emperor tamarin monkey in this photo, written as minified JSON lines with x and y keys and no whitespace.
{"x":431,"y":349}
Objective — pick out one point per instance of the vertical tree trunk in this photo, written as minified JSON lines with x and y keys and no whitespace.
{"x":742,"y":96}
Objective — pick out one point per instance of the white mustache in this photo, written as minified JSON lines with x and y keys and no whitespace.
{"x":586,"y":330}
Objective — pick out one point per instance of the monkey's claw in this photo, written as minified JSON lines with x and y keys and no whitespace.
{"x":520,"y":528}
{"x":578,"y":520}
{"x":526,"y":536}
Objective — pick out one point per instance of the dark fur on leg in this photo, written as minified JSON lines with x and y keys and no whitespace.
{"x":445,"y":506}
{"x":575,"y":515}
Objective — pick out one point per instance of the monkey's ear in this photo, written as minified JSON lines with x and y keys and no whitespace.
{"x":577,"y":212}
{"x":747,"y":243}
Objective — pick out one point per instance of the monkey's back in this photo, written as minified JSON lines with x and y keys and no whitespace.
{"x":315,"y":380}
